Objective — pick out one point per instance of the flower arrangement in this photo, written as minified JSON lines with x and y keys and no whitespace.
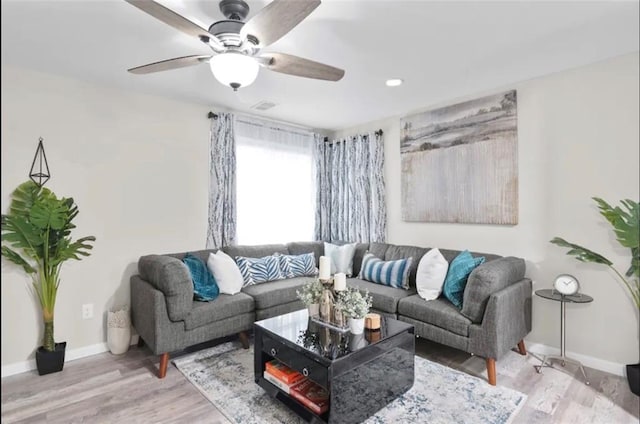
{"x":353,"y":304}
{"x":311,"y":292}
{"x":119,"y":318}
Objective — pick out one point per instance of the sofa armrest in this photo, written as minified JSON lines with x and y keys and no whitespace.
{"x":507,"y":320}
{"x":486,"y":279}
{"x":172,"y":278}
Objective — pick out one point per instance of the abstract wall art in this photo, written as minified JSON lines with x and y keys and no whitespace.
{"x":460,"y":162}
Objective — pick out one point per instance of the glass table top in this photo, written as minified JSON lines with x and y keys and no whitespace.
{"x":555,"y":295}
{"x":297,"y":328}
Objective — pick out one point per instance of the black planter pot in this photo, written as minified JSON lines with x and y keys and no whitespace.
{"x":633,"y":375}
{"x":49,"y":362}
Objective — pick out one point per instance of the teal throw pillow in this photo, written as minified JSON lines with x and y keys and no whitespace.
{"x":205,"y":287}
{"x":457,"y":276}
{"x":389,"y":273}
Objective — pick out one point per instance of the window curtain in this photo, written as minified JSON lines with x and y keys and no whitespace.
{"x":222,"y":182}
{"x":276,"y":182}
{"x":350,"y":197}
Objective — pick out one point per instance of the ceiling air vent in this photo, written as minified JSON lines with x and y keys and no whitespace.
{"x":263,"y":105}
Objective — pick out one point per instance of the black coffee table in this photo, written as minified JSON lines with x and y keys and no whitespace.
{"x":363,"y":373}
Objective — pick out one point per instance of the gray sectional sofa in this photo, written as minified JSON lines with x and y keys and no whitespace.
{"x":495,"y":317}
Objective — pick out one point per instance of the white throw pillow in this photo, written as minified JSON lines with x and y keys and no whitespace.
{"x":226,"y":272}
{"x":432,"y":271}
{"x":341,"y":257}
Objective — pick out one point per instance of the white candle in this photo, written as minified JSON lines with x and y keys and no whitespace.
{"x":325,"y":268}
{"x":340,"y":281}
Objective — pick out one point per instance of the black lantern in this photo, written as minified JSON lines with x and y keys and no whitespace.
{"x":40,"y":175}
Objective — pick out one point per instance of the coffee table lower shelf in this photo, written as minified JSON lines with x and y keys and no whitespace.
{"x":291,"y":403}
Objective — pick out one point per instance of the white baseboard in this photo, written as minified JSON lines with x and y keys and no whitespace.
{"x":70,"y":355}
{"x":588,"y":361}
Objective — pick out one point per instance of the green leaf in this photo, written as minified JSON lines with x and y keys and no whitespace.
{"x":14,"y":257}
{"x":49,"y":212}
{"x":23,"y":198}
{"x":20,"y":233}
{"x":581,"y":253}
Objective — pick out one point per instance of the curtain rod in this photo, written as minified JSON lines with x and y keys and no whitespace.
{"x":378,"y":133}
{"x":212,"y":115}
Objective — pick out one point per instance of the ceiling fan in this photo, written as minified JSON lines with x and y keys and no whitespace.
{"x":237,"y":44}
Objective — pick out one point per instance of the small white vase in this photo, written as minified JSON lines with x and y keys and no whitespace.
{"x":356,"y":325}
{"x":118,"y":339}
{"x":314,"y":309}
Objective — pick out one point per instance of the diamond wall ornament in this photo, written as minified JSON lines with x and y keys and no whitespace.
{"x":40,"y":173}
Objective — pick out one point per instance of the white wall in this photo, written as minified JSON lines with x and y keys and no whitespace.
{"x":577,"y":138}
{"x":137,"y":168}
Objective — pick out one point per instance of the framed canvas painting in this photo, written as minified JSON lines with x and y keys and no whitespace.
{"x":460,"y":162}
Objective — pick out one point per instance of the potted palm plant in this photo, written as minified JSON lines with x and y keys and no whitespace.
{"x":36,"y":236}
{"x":625,"y":221}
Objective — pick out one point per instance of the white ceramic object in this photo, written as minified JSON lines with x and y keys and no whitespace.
{"x":118,"y":339}
{"x":314,"y":309}
{"x":356,"y":325}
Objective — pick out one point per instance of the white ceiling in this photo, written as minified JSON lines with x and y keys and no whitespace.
{"x":442,"y":50}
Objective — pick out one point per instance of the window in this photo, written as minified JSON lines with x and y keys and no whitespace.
{"x":275,"y":183}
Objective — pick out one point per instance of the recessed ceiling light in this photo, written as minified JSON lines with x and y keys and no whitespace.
{"x":394,"y":82}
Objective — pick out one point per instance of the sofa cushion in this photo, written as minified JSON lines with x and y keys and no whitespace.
{"x":432,"y":270}
{"x":205,"y":287}
{"x":390,"y":273}
{"x":300,"y":247}
{"x":222,"y":307}
{"x":394,"y":252}
{"x":171,"y":277}
{"x":226,"y":272}
{"x":259,"y":270}
{"x":487,"y":279}
{"x":361,"y":249}
{"x":438,"y":312}
{"x":276,"y":292}
{"x":378,"y":249}
{"x":303,"y":265}
{"x":259,"y":251}
{"x":341,"y":257}
{"x":384,"y":298}
{"x":457,"y":276}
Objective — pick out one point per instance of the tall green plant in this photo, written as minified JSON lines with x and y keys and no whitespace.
{"x":36,"y":236}
{"x":626,"y":226}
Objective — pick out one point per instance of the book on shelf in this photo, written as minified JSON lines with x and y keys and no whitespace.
{"x":311,"y":395}
{"x":283,"y":372}
{"x":278,"y":383}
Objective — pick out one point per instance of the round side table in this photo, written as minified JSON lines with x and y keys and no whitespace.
{"x":576,"y":298}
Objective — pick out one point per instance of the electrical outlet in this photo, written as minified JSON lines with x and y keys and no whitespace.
{"x":87,"y":311}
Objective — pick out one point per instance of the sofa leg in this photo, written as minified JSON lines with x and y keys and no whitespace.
{"x":164,"y":361}
{"x":521,"y":349}
{"x":244,"y":339}
{"x":491,"y":371}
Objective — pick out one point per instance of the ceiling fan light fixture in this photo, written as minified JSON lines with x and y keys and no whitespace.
{"x":234,"y":69}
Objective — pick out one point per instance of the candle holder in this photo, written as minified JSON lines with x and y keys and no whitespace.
{"x":330,"y":316}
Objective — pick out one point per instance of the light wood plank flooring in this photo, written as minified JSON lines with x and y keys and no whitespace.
{"x":124,"y":389}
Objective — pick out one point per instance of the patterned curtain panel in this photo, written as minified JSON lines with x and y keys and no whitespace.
{"x":222,"y":182}
{"x":350,"y":196}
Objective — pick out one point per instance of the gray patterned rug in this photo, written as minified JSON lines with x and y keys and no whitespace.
{"x":224,"y":375}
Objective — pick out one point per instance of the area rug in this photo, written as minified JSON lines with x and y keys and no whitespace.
{"x":224,"y":375}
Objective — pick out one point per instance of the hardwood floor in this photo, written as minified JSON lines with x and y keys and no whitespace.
{"x":106,"y":388}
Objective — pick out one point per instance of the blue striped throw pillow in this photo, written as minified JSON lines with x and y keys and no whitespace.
{"x":298,"y":265}
{"x":456,"y":281}
{"x":259,"y":270}
{"x":390,"y":273}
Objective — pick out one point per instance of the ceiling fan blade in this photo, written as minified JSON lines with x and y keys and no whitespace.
{"x":179,"y":22}
{"x":294,"y":65}
{"x":276,"y":19}
{"x":165,"y":65}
